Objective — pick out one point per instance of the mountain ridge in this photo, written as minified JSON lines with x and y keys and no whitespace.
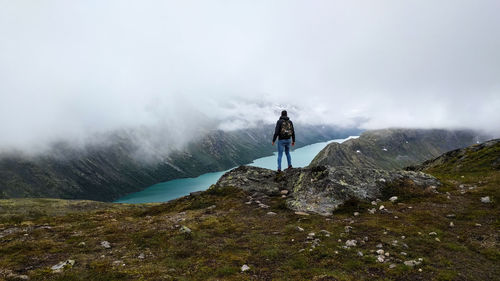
{"x":395,"y":148}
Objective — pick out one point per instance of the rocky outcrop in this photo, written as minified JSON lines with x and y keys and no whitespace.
{"x":322,"y":189}
{"x":394,"y":148}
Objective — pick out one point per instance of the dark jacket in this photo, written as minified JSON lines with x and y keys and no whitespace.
{"x":277,"y":130}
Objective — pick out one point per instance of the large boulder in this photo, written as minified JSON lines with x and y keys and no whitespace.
{"x":322,"y":189}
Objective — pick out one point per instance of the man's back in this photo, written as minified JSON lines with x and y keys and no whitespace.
{"x":284,"y":131}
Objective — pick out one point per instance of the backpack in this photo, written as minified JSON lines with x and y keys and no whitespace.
{"x":286,"y":129}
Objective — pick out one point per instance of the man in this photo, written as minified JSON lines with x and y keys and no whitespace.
{"x":284,"y":131}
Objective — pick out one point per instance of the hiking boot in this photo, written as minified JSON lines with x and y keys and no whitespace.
{"x":278,"y":171}
{"x":289,"y":167}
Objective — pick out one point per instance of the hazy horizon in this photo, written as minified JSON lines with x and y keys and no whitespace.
{"x":71,"y":70}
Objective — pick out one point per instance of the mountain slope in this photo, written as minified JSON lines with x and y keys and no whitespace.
{"x":106,"y":172}
{"x":394,"y":148}
{"x":445,"y":234}
{"x":473,"y":159}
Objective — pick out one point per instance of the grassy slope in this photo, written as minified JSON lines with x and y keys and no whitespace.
{"x":234,"y":233}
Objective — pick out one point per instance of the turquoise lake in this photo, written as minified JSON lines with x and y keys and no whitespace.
{"x":165,"y":191}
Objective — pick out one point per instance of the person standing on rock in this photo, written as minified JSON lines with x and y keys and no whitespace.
{"x":284,"y":131}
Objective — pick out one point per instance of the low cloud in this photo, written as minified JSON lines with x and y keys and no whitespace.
{"x":173,"y":70}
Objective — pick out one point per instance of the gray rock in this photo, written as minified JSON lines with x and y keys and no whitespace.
{"x":412,"y":263}
{"x":58,"y":267}
{"x":486,"y":199}
{"x":245,"y":268}
{"x":393,"y":198}
{"x":351,"y":243}
{"x":321,"y":189}
{"x":185,"y":229}
{"x":106,"y":244}
{"x":271,"y":213}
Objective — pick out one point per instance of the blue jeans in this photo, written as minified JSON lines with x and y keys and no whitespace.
{"x":284,"y":144}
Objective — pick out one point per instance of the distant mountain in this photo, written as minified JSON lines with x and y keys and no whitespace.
{"x":394,"y":148}
{"x":108,"y":171}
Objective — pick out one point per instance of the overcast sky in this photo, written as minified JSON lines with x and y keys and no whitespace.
{"x":69,"y":69}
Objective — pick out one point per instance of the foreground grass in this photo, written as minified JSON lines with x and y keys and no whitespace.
{"x":147,"y":242}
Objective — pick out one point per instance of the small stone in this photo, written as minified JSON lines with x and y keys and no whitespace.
{"x":372,"y":211}
{"x":245,"y":268}
{"x":301,"y":250}
{"x":58,"y":267}
{"x":452,"y":224}
{"x":411,"y":263}
{"x":360,"y":253}
{"x":391,"y":266}
{"x":271,"y":213}
{"x":81,"y":244}
{"x":325,"y":232}
{"x":396,"y":217}
{"x":300,"y":228}
{"x":248,"y":202}
{"x":374,"y":203}
{"x":403,"y":253}
{"x":312,"y":234}
{"x":419,"y":270}
{"x":485,"y":199}
{"x":350,"y":243}
{"x":211,"y":207}
{"x":356,"y":214}
{"x":403,"y":237}
{"x":393,"y":198}
{"x":263,"y":206}
{"x":302,"y":213}
{"x":379,"y":245}
{"x":106,"y":244}
{"x":381,"y":207}
{"x":283,"y":196}
{"x":437,"y":239}
{"x":478,"y":224}
{"x":380,"y":252}
{"x":340,"y":240}
{"x":432,"y":233}
{"x":381,"y":258}
{"x":347,"y":228}
{"x":141,"y":256}
{"x":185,"y":229}
{"x":284,"y":192}
{"x":387,"y":254}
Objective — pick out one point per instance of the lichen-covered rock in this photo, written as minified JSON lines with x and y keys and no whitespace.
{"x":321,"y":189}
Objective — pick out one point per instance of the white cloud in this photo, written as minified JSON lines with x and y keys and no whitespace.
{"x":71,"y":69}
